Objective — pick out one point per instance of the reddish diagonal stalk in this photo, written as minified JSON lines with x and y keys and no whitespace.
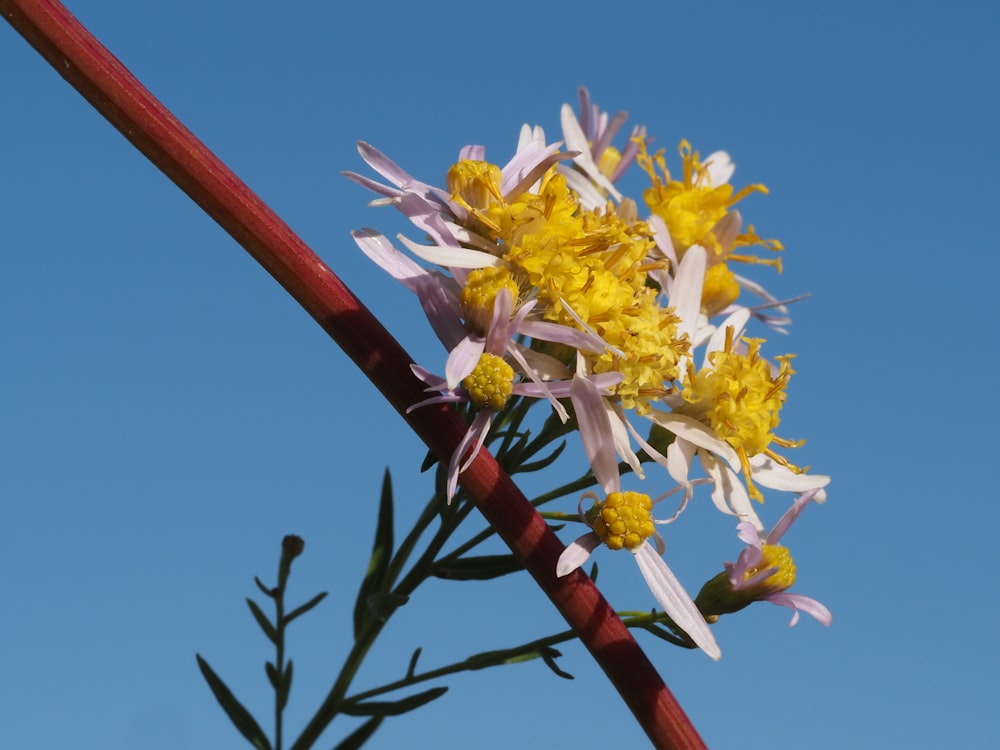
{"x":119,"y":97}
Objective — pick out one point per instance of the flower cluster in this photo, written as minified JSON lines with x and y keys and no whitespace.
{"x":548,"y":283}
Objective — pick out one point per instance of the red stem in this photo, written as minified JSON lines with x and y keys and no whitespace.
{"x":119,"y":97}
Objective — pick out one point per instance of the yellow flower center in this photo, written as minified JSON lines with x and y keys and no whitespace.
{"x":491,"y":383}
{"x":720,"y":290}
{"x":609,"y":161}
{"x":739,"y":398}
{"x":475,"y":184}
{"x":623,"y":520}
{"x":479,"y":293}
{"x":773,"y":556}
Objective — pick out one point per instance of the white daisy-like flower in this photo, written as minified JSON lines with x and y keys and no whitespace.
{"x":623,"y":521}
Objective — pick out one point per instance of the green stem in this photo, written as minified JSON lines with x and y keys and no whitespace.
{"x":503,"y":656}
{"x":279,"y":663}
{"x":419,"y":573}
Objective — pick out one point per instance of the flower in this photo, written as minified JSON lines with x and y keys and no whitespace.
{"x":487,"y":381}
{"x":623,"y":520}
{"x":599,"y":164}
{"x":726,"y":416}
{"x":697,"y":209}
{"x":764,"y":571}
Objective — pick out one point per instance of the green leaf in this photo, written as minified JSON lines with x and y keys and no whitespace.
{"x":264,"y":589}
{"x":286,"y":686}
{"x":378,"y":563}
{"x":669,"y":636}
{"x":543,"y":463}
{"x":549,"y":657}
{"x":429,"y":460}
{"x":272,"y":675}
{"x":393,"y":708}
{"x":240,"y":717}
{"x":383,"y":605}
{"x":261,"y":618}
{"x":412,"y":668}
{"x":305,"y":607}
{"x":480,"y":568}
{"x":527,"y":652}
{"x":360,"y":736}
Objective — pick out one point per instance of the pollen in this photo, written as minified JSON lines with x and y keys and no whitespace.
{"x":491,"y":383}
{"x":773,"y":556}
{"x":623,"y":520}
{"x":479,"y":293}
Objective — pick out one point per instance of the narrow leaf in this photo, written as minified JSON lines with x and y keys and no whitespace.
{"x":412,"y":668}
{"x":383,"y":605}
{"x":378,"y":563}
{"x":360,"y":736}
{"x":429,"y":460}
{"x":669,"y":636}
{"x":305,"y":607}
{"x":266,"y":591}
{"x":261,"y":618}
{"x":286,"y":685}
{"x":549,"y":657}
{"x":393,"y":708}
{"x":237,"y":714}
{"x":481,"y":568}
{"x":543,"y":463}
{"x":272,"y":675}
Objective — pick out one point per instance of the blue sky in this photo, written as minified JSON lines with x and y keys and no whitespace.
{"x":168,"y":412}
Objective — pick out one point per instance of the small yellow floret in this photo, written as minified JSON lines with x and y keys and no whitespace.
{"x":773,"y":556}
{"x":475,"y":184}
{"x":609,"y":161}
{"x":623,"y":520}
{"x":479,"y":293}
{"x":720,"y":290}
{"x":491,"y":383}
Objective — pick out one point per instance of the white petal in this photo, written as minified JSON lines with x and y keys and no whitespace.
{"x":577,"y":553}
{"x":738,"y":321}
{"x":719,"y":168}
{"x":686,"y":295}
{"x":450,"y":257}
{"x":771,"y":474}
{"x":728,"y":492}
{"x":462,"y":360}
{"x":695,"y":432}
{"x":595,"y":431}
{"x":619,"y":433}
{"x":662,"y":236}
{"x":577,"y":141}
{"x":679,"y":455}
{"x":380,"y":249}
{"x":675,"y":600}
